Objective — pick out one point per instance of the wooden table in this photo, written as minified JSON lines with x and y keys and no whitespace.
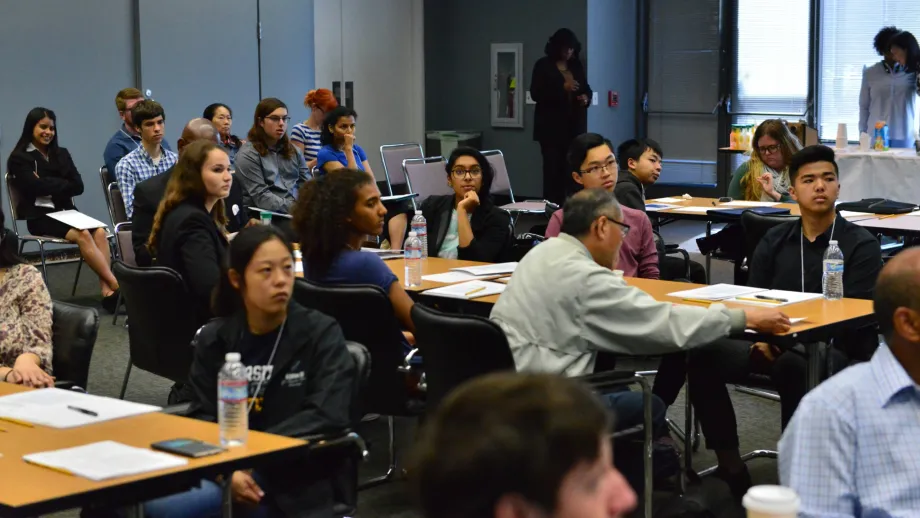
{"x":435,"y":265}
{"x":28,"y":490}
{"x":900,"y":224}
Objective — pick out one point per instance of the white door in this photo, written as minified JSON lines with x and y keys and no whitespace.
{"x":380,"y":50}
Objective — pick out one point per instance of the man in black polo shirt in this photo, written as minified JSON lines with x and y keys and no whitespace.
{"x":789,"y":257}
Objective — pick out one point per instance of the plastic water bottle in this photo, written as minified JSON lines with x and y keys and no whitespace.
{"x":298,"y":261}
{"x":232,"y":399}
{"x":413,"y":255}
{"x":420,"y":227}
{"x":832,"y":281}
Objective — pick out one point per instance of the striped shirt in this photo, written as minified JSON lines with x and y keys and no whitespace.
{"x":136,"y":167}
{"x":309,"y":138}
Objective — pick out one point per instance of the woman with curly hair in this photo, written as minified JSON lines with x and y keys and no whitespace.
{"x":188,"y":230}
{"x":765,"y":177}
{"x":332,"y":217}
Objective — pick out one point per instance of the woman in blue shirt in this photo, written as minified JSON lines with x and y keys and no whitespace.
{"x":338,"y":139}
{"x":888,"y":94}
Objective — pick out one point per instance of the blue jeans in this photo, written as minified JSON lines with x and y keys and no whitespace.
{"x":627,"y":407}
{"x":202,"y":502}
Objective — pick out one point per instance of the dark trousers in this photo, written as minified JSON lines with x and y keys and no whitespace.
{"x":557,"y":178}
{"x":729,"y":361}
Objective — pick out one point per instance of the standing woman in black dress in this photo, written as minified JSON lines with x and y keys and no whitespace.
{"x":47,"y":179}
{"x":560,"y":89}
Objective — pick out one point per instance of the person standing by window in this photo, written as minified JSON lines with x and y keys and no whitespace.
{"x":306,"y":136}
{"x":888,"y":93}
{"x":560,"y":89}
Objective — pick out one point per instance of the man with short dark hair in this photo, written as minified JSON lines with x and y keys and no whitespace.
{"x":150,"y":158}
{"x":641,"y":158}
{"x":127,"y":138}
{"x":851,"y":447}
{"x":514,"y":445}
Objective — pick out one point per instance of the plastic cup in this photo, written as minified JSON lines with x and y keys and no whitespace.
{"x":265,"y":217}
{"x":771,"y":502}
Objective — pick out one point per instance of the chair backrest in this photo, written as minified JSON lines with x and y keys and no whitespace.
{"x":501,"y":183}
{"x":362,"y":358}
{"x":756,"y":226}
{"x":13,"y":197}
{"x":366,"y":316}
{"x":124,"y":244}
{"x":116,"y":204}
{"x":457,"y":348}
{"x":392,"y":156}
{"x":427,"y":177}
{"x":162,"y":319}
{"x":73,"y":337}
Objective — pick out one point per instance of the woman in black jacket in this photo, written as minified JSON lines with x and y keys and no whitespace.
{"x":467,"y":225}
{"x":188,"y":233}
{"x":300,"y":381}
{"x":46,"y":178}
{"x":560,"y":89}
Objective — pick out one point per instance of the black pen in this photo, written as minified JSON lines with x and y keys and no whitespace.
{"x":775,"y":299}
{"x":83,"y":411}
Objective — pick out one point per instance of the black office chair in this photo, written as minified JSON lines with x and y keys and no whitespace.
{"x":163,"y":321}
{"x":754,"y":227}
{"x":73,"y":337}
{"x":366,"y":316}
{"x":665,"y":250}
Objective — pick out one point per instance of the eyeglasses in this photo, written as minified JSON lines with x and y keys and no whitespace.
{"x":610,"y":165}
{"x":768,"y":150}
{"x":474,"y":172}
{"x":624,"y":228}
{"x":276,"y":119}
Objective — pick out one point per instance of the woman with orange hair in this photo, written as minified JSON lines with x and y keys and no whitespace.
{"x":305,"y":136}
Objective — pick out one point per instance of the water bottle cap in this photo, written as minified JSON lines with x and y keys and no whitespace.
{"x":833,"y":242}
{"x":232,"y":357}
{"x":418,"y":213}
{"x":413,"y":234}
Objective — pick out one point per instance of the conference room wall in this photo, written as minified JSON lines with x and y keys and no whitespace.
{"x":458,"y":36}
{"x":612,"y":66}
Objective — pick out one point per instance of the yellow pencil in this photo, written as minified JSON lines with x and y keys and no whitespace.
{"x":765,"y":301}
{"x":699,"y":301}
{"x":17,"y":421}
{"x":889,"y":216}
{"x":476,"y":290}
{"x":52,"y":468}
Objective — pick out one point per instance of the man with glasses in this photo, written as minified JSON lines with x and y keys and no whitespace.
{"x":594,"y":166}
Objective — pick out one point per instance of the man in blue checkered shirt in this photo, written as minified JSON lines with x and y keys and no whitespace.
{"x":853,"y":446}
{"x":150,"y":158}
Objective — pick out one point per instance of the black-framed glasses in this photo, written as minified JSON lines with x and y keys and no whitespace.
{"x":609,"y":165}
{"x":459,"y":172}
{"x":768,"y":150}
{"x":624,"y":228}
{"x":277,"y":118}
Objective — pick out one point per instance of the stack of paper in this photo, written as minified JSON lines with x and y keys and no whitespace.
{"x":104,"y":460}
{"x":77,"y":220}
{"x":487,"y":269}
{"x":468,"y":290}
{"x":775,"y":298}
{"x":716,"y":292}
{"x":67,"y":409}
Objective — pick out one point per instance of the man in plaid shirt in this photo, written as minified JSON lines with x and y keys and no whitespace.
{"x":150,"y":158}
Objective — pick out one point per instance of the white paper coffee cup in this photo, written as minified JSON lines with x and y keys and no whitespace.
{"x":841,"y":135}
{"x":771,"y":502}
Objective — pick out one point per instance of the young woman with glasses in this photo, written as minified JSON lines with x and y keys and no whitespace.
{"x":765,"y":177}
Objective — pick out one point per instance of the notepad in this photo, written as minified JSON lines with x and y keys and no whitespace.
{"x":49,"y":407}
{"x":787,"y":298}
{"x":77,"y":219}
{"x":452,"y":277}
{"x":749,"y":204}
{"x":487,"y":269}
{"x":104,"y":460}
{"x":468,"y":290}
{"x":716,"y":292}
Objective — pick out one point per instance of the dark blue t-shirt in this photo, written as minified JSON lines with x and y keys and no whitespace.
{"x":328,"y":153}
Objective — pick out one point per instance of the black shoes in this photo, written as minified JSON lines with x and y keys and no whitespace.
{"x":110,"y":303}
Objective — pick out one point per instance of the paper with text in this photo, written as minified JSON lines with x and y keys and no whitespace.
{"x":105,"y":459}
{"x":48,"y":407}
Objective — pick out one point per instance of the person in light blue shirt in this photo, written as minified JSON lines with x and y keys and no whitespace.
{"x":852,"y":446}
{"x":888,"y":93}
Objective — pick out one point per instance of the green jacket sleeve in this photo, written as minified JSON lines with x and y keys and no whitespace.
{"x":734,"y":188}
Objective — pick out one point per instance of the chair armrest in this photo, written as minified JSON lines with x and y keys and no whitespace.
{"x":346,"y":438}
{"x":179,"y":409}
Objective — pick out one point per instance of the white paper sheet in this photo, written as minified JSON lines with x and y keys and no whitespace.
{"x":793,"y":321}
{"x":468,"y":290}
{"x":665,"y":200}
{"x":847,"y":214}
{"x":716,"y":292}
{"x":698,"y":210}
{"x":790,"y":297}
{"x":105,"y":459}
{"x":487,"y":269}
{"x":76,"y":219}
{"x":453,"y":277}
{"x":914,"y":213}
{"x":48,"y":407}
{"x":749,"y":204}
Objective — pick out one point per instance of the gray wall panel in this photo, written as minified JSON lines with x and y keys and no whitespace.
{"x":288,"y":68}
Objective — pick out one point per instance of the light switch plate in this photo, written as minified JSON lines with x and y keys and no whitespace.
{"x":594,"y":98}
{"x":528,"y":99}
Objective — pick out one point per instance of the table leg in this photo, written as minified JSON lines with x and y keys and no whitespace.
{"x":709,"y":255}
{"x":227,"y":505}
{"x":813,"y":365}
{"x":688,"y":423}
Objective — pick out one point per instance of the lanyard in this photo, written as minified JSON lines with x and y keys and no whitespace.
{"x":270,"y":358}
{"x":136,"y":144}
{"x":802,"y":248}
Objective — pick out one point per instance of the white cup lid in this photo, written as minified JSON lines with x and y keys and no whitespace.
{"x":771,"y":500}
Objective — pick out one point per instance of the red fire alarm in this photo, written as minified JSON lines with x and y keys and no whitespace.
{"x":613,"y":99}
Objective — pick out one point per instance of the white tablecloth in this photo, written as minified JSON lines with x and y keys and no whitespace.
{"x":892,"y":174}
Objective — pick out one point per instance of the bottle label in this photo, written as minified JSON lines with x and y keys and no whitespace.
{"x":233,"y":391}
{"x":833,"y":266}
{"x":420,"y":230}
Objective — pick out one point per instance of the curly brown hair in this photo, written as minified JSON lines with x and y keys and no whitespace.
{"x":320,"y":215}
{"x":186,"y":183}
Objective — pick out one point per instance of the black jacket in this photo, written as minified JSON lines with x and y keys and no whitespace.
{"x":57,"y":177}
{"x":147,"y":197}
{"x":630,"y":192}
{"x":310,"y":392}
{"x":558,"y":116}
{"x":491,"y":229}
{"x":191,"y":243}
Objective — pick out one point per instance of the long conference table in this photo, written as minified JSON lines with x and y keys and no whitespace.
{"x":823,"y":318}
{"x":30,"y":490}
